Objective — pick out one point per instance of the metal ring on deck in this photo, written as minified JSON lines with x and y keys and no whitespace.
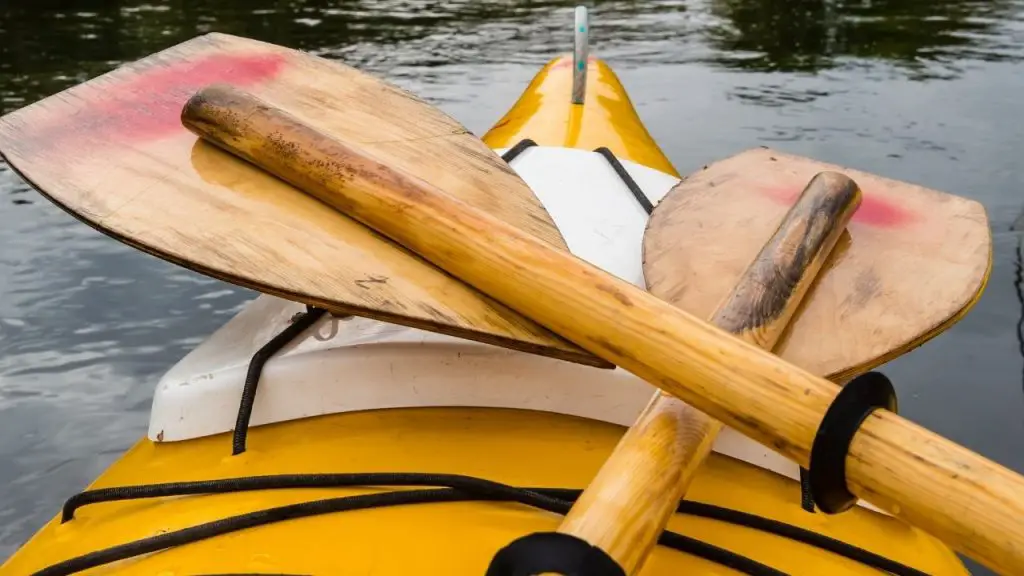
{"x":580,"y":54}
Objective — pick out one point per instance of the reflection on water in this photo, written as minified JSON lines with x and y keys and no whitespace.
{"x":406,"y":37}
{"x":920,"y":91}
{"x":925,"y":39}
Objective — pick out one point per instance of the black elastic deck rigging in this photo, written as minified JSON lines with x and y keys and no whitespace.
{"x":299,"y":325}
{"x":456,"y":488}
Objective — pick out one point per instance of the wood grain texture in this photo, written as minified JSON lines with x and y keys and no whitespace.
{"x":974,"y":504}
{"x":914,"y":262}
{"x":635,"y":493}
{"x":113,"y":152}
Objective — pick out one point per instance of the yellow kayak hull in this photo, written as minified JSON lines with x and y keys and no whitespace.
{"x":517,"y":447}
{"x":521,"y":448}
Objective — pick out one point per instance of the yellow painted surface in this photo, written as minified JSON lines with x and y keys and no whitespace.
{"x":546,"y":114}
{"x":517,"y":447}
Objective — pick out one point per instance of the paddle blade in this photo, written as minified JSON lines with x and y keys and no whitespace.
{"x":113,"y":152}
{"x":914,"y":262}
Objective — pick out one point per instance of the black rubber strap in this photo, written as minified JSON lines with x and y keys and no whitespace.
{"x":855,"y":402}
{"x":252,"y":378}
{"x":806,"y":499}
{"x":552,"y":552}
{"x":645,"y":202}
{"x":518,"y":149}
{"x":623,"y":174}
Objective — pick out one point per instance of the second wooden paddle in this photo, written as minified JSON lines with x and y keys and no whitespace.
{"x":970,"y":502}
{"x":627,"y":505}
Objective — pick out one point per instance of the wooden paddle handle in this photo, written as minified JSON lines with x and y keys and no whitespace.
{"x":970,"y":502}
{"x":631,"y":499}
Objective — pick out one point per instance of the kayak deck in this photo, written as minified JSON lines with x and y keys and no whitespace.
{"x":517,"y":447}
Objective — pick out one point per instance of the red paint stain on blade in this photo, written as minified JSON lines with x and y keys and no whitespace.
{"x":873,"y":211}
{"x":147,"y":105}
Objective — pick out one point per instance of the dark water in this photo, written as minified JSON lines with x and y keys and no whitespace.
{"x":925,"y":91}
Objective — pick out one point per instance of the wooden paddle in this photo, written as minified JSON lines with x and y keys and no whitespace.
{"x":898,"y":300}
{"x":113,"y":153}
{"x":919,"y":259}
{"x":968,"y":501}
{"x":630,"y":500}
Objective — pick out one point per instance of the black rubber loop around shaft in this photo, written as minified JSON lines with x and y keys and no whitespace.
{"x":553,"y":552}
{"x":855,"y":402}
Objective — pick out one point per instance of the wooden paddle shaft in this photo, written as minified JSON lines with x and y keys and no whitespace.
{"x":629,"y":502}
{"x":972,"y":503}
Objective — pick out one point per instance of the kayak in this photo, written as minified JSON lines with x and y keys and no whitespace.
{"x":296,"y":442}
